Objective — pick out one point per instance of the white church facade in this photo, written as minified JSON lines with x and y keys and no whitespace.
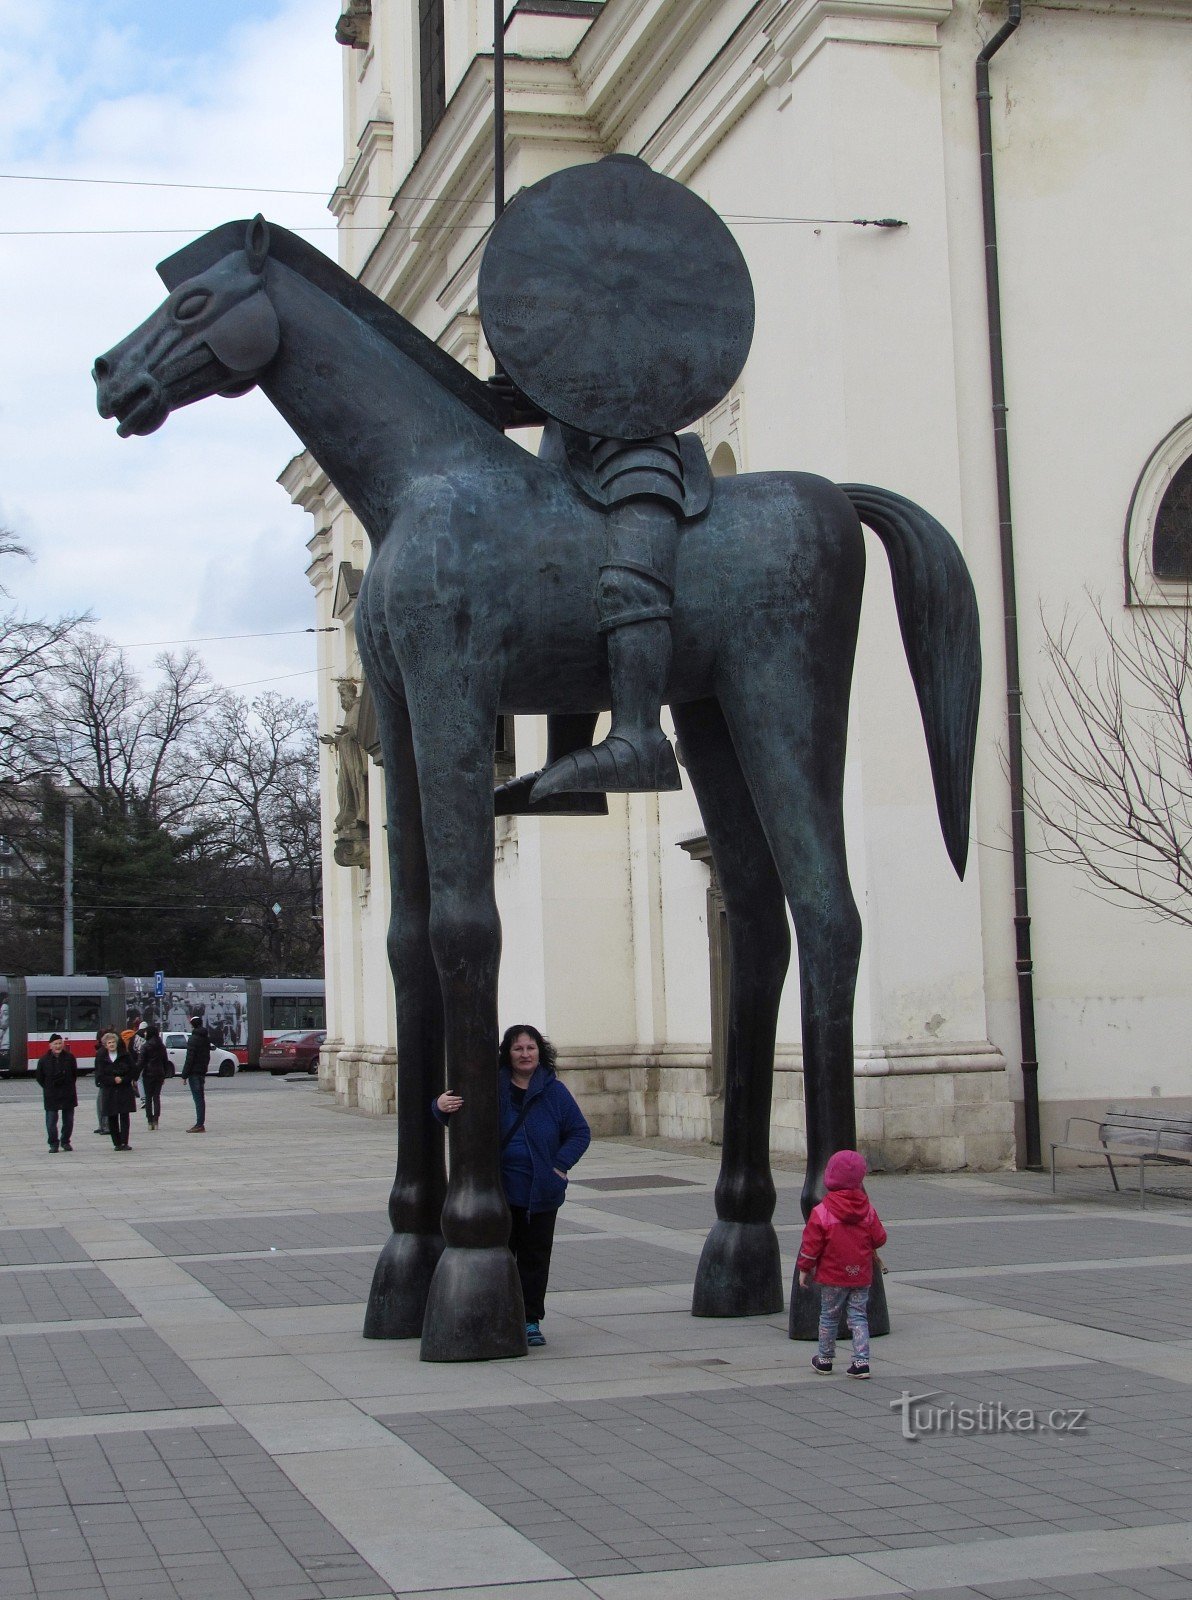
{"x":839,"y":139}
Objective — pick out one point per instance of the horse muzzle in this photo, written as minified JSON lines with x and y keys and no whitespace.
{"x":139,"y":406}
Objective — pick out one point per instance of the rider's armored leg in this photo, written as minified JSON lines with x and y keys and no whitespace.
{"x":633,"y":600}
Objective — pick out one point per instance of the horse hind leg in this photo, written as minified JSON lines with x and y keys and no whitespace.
{"x":795,"y":768}
{"x":740,"y":1270}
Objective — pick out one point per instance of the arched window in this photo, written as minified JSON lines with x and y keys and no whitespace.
{"x":724,"y":462}
{"x":1171,"y":547}
{"x":1158,"y":542}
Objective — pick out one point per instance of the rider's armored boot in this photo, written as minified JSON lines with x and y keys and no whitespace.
{"x":633,"y":600}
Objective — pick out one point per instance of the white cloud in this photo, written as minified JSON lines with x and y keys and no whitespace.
{"x":189,"y":521}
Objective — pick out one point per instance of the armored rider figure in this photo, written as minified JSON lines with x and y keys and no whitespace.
{"x":643,"y":319}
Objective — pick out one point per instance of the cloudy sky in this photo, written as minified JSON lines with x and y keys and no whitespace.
{"x":186,"y":533}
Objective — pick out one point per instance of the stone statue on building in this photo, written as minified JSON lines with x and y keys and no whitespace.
{"x":351,"y":765}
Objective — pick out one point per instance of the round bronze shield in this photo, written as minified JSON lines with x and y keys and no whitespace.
{"x":616,"y":299}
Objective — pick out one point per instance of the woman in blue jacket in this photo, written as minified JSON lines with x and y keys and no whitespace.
{"x":543,"y":1135}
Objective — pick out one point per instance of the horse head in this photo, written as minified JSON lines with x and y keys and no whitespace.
{"x":215,"y":334}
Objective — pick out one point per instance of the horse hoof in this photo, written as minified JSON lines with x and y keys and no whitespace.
{"x":739,"y":1273}
{"x":474,"y":1311}
{"x":400,"y":1285}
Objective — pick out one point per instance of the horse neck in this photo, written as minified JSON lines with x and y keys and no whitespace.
{"x":369,"y":414}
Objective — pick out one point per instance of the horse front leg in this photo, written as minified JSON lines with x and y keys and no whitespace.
{"x":402,"y":1277}
{"x":740,"y":1268}
{"x":474,"y":1311}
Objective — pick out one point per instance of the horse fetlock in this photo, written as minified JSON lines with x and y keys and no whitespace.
{"x":475,"y":1310}
{"x":739,"y":1273}
{"x":401,"y":1283}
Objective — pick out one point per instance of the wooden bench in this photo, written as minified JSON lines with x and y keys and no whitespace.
{"x":1144,"y":1137}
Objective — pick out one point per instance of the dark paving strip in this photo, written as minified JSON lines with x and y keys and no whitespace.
{"x":789,"y":1472}
{"x":1135,"y":1583}
{"x":895,"y":1198}
{"x":67,"y":1295}
{"x":226,"y":1236}
{"x":180,"y":1514}
{"x":647,"y":1180}
{"x":994,"y":1244}
{"x":36,"y":1247}
{"x":92,"y":1373}
{"x":1169,"y":1187}
{"x":229,"y":1235}
{"x":1144,"y":1302}
{"x":269,"y":1282}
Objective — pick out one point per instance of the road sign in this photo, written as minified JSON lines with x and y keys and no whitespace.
{"x":159,"y":984}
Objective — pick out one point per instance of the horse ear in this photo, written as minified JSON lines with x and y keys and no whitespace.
{"x":256,"y":243}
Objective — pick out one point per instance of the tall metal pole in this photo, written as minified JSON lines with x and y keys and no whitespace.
{"x":498,"y":106}
{"x":68,"y":890}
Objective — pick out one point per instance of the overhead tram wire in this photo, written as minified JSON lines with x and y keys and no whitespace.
{"x":221,"y":638}
{"x":350,"y":227}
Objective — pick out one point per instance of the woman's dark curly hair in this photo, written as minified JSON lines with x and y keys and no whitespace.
{"x":546,"y":1050}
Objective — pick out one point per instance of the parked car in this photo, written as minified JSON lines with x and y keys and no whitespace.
{"x":223,"y":1063}
{"x":293,"y":1052}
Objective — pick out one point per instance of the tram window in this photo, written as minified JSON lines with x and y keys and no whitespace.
{"x":288,"y":1012}
{"x":49,"y":1013}
{"x":84,"y":1012}
{"x":283,"y":1011}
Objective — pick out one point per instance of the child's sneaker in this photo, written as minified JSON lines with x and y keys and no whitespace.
{"x":821,"y":1365}
{"x":858,"y":1369}
{"x":534,"y":1335}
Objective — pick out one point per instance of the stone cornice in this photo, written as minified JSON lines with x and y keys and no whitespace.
{"x":375,"y":140}
{"x":455,"y":169}
{"x":1173,"y":10}
{"x":805,"y":26}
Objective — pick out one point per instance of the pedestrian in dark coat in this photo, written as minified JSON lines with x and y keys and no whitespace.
{"x":543,"y":1135}
{"x":194,"y":1071}
{"x":58,"y":1074}
{"x":151,"y":1063}
{"x":116,"y":1075}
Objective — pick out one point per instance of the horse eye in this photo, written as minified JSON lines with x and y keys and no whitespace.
{"x":192,"y":304}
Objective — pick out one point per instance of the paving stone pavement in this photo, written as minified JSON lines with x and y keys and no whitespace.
{"x":70,"y":1295}
{"x":26,"y":1247}
{"x":188,"y":1410}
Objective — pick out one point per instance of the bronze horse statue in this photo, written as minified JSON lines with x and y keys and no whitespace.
{"x":478,"y":601}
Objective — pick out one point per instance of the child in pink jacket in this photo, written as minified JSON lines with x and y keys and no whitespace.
{"x":839,"y":1242}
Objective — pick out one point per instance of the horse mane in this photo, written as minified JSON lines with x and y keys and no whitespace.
{"x":327,"y":275}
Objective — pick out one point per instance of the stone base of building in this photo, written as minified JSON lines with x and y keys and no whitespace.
{"x":360,"y":1076}
{"x":917,"y":1109}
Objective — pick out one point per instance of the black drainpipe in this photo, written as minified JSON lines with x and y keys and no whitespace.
{"x":1023,"y":960}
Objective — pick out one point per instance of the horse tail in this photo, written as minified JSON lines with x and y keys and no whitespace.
{"x":937,"y":612}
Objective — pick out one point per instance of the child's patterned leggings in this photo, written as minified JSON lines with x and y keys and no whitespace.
{"x":832,"y":1300}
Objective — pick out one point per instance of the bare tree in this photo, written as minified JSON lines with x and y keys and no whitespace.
{"x":125,"y":745}
{"x":1111,"y":763}
{"x":262,"y":802}
{"x":29,"y":651}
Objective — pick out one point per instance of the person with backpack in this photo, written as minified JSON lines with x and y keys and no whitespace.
{"x":194,"y":1071}
{"x":151,"y":1063}
{"x":543,"y":1135}
{"x":58,"y":1074}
